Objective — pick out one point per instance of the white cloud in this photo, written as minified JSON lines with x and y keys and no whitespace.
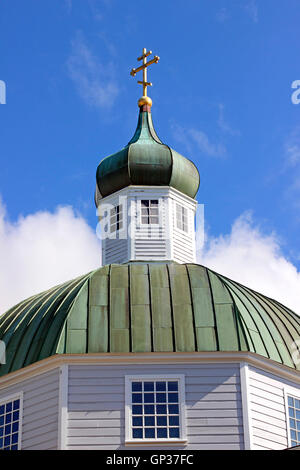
{"x":45,"y":249}
{"x":254,"y":259}
{"x":42,"y":250}
{"x":94,"y":81}
{"x":292,"y":148}
{"x":251,"y":9}
{"x":223,"y":15}
{"x":223,"y":124}
{"x":198,"y":138}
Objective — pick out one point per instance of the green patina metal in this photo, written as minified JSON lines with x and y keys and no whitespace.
{"x":147,"y":161}
{"x":148,"y":307}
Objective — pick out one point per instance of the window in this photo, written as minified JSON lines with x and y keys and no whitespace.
{"x":154,"y":408}
{"x":294,"y":420}
{"x":10,"y":419}
{"x":181,"y":218}
{"x":149,"y":211}
{"x":116,"y":219}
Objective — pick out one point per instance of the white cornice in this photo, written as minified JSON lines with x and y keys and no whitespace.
{"x":58,"y":360}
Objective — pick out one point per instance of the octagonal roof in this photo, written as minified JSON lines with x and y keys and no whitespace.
{"x":148,"y":307}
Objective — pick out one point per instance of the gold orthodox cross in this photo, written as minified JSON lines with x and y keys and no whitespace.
{"x":143,"y":67}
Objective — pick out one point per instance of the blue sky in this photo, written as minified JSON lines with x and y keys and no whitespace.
{"x":221,"y":96}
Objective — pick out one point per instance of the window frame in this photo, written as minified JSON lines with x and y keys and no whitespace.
{"x":289,"y":392}
{"x":182,"y":208}
{"x":119,"y":219}
{"x":11,"y":398}
{"x":142,"y":224}
{"x":129,"y":440}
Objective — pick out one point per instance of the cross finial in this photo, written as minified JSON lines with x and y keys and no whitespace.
{"x":145,"y":100}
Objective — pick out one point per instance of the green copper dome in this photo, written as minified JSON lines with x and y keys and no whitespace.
{"x":146,"y":161}
{"x":148,"y":307}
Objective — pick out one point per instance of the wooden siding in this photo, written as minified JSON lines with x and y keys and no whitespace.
{"x":115,"y":250}
{"x":96,"y":418}
{"x":183,"y":242}
{"x":150,"y":242}
{"x":40,"y":410}
{"x":267,"y":410}
{"x":157,"y":242}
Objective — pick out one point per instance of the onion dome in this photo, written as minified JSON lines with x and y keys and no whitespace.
{"x":146,"y":161}
{"x":148,"y":307}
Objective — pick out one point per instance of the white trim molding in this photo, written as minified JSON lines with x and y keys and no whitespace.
{"x":63,"y":407}
{"x":107,"y":359}
{"x":245,"y":393}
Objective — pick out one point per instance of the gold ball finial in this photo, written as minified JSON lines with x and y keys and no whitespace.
{"x":145,"y":100}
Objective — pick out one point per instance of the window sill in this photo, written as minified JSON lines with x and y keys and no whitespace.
{"x":163,"y":442}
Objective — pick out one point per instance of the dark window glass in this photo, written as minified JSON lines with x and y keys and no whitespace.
{"x":149,"y":409}
{"x":137,"y":410}
{"x":161,"y":409}
{"x":162,"y":432}
{"x":137,"y":398}
{"x":137,"y":421}
{"x":136,"y":386}
{"x":149,"y":398}
{"x":149,"y":421}
{"x":148,"y":386}
{"x":137,"y":433}
{"x":161,"y":420}
{"x":8,"y":407}
{"x":173,"y":420}
{"x":173,"y":409}
{"x":174,"y":432}
{"x":161,"y":386}
{"x":173,"y":397}
{"x":150,"y":432}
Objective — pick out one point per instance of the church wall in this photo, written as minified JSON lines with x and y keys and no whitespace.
{"x":96,"y":405}
{"x":40,"y":410}
{"x":267,"y":409}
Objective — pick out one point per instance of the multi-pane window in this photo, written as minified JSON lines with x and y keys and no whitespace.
{"x":155,"y":409}
{"x":294,"y":420}
{"x":116,"y":218}
{"x":181,"y":218}
{"x":10,"y":424}
{"x":149,"y":211}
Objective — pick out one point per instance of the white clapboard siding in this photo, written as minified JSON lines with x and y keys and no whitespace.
{"x":96,"y":405}
{"x":183,"y":242}
{"x":268,"y":417}
{"x":115,"y":250}
{"x":40,"y":410}
{"x":138,"y":241}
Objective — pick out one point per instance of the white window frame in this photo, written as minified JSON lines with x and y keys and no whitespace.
{"x":178,"y":204}
{"x":10,"y":398}
{"x":294,"y":393}
{"x":121,"y":217}
{"x":128,"y":415}
{"x":147,"y":198}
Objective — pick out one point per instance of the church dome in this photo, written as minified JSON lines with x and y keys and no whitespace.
{"x":146,"y":161}
{"x":148,"y":307}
